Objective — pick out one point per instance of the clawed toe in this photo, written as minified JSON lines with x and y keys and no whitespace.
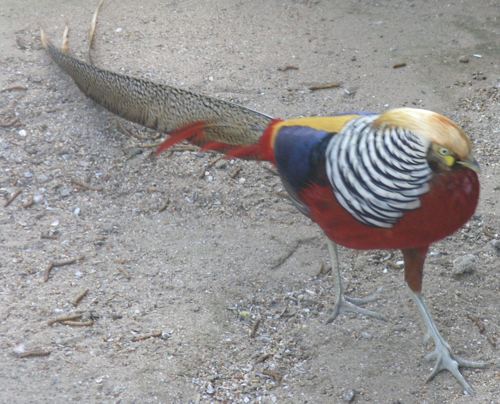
{"x":346,"y":304}
{"x":446,"y":361}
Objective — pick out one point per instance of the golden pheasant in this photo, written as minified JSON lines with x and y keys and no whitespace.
{"x":402,"y":179}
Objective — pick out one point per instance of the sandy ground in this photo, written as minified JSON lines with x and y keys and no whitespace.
{"x":218,"y":269}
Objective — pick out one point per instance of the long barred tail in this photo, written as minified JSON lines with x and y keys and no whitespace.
{"x":161,"y":107}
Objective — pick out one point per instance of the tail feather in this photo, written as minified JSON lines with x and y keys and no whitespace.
{"x":195,"y":133}
{"x":162,"y":107}
{"x":190,"y":132}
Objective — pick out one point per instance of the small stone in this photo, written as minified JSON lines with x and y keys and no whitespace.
{"x":244,"y":315}
{"x":210,"y":389}
{"x":366,"y":335}
{"x":496,"y":246}
{"x":22,"y":133}
{"x":65,"y":191}
{"x":463,"y":59}
{"x":349,"y":395}
{"x":166,"y":334}
{"x":76,"y":211}
{"x":119,"y":29}
{"x":221,"y":164}
{"x":19,"y":349}
{"x":464,"y":265}
{"x":350,"y":91}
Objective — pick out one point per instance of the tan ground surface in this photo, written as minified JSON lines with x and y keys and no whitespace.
{"x":227,"y":251}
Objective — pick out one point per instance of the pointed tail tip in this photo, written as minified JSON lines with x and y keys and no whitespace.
{"x":44,"y":38}
{"x":65,"y":40}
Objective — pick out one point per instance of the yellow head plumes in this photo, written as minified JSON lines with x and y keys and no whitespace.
{"x":449,"y":141}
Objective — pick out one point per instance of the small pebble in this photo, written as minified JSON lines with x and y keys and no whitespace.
{"x":349,"y":395}
{"x":366,"y":335}
{"x":496,"y":246}
{"x":119,"y":29}
{"x":76,"y":211}
{"x":19,"y":349}
{"x":210,"y":389}
{"x":221,"y":164}
{"x":464,"y":265}
{"x":22,"y":133}
{"x":244,"y":315}
{"x":65,"y":191}
{"x":463,"y":59}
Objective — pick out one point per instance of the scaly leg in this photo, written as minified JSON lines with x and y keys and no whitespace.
{"x":445,"y":360}
{"x":344,"y":303}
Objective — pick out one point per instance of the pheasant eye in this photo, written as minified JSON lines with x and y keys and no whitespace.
{"x":443,"y":151}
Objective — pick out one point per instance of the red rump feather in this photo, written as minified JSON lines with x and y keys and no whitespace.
{"x":193,"y":133}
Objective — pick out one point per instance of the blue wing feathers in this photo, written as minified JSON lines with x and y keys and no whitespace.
{"x":300,"y":155}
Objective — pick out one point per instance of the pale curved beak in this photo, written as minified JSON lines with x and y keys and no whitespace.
{"x":470,"y":163}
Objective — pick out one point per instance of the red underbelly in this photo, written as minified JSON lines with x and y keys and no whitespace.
{"x":449,"y":204}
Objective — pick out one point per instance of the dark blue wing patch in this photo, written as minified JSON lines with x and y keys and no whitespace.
{"x":300,"y":159}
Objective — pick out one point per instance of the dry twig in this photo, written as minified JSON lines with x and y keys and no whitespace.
{"x":255,"y":327}
{"x":7,"y":122}
{"x":67,"y":317}
{"x":62,"y":263}
{"x":125,"y":273}
{"x":12,"y":197}
{"x":79,"y":297}
{"x":263,"y":358}
{"x":34,"y":353}
{"x":324,"y":86}
{"x":287,"y":67}
{"x":71,"y":323}
{"x":84,"y":185}
{"x":235,"y":172}
{"x":155,"y":334}
{"x":16,"y":87}
{"x":164,"y":206}
{"x":273,"y":374}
